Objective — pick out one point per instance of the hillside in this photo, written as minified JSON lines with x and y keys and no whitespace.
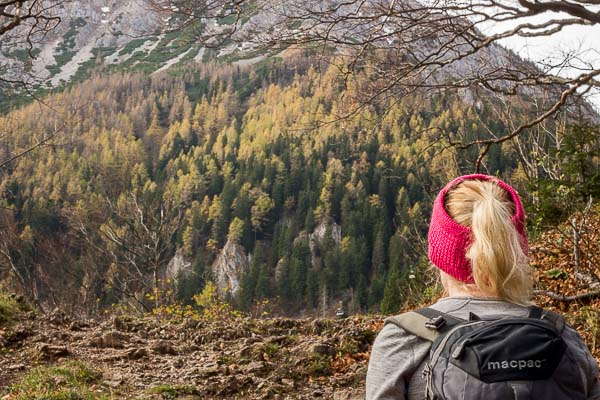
{"x":226,"y":161}
{"x":112,"y":36}
{"x":153,"y":186}
{"x":109,"y":37}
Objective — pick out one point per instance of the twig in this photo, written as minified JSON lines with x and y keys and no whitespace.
{"x":560,"y":297}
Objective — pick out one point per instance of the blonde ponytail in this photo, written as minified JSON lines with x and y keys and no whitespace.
{"x":499,"y":265}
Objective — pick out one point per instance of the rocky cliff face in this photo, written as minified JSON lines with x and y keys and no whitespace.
{"x":233,"y":261}
{"x":114,"y":35}
{"x":320,"y":233}
{"x":178,"y":267}
{"x":89,"y":31}
{"x":229,"y":266}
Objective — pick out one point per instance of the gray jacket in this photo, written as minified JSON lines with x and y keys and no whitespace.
{"x":398,"y":358}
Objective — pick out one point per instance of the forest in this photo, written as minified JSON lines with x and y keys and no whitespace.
{"x":326,"y":210}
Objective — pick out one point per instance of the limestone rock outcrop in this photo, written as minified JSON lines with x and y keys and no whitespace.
{"x":229,"y":266}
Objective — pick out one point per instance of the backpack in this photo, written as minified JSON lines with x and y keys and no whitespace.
{"x":493,"y":358}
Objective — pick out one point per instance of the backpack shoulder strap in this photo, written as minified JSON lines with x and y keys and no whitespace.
{"x":425,"y":323}
{"x":555,"y":319}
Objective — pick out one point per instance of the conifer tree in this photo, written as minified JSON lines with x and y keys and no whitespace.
{"x":392,"y":294}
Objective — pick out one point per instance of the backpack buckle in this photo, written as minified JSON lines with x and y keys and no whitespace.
{"x":435,"y":323}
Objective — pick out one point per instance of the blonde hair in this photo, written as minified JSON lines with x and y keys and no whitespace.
{"x":500,"y":267}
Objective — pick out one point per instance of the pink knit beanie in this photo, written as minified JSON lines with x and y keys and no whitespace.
{"x":448,"y":241}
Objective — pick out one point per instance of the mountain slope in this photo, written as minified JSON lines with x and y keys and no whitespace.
{"x":110,"y":35}
{"x":129,"y":36}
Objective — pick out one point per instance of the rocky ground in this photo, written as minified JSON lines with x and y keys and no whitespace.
{"x":144,"y":358}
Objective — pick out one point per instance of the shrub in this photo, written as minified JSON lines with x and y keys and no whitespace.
{"x":208,"y":306}
{"x":9,"y":308}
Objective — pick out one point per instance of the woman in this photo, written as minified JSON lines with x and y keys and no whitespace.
{"x":477,"y":240}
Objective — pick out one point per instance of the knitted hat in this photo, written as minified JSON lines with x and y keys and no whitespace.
{"x":449,"y":241}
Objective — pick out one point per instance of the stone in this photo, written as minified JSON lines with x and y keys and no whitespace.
{"x":113,"y":339}
{"x":16,"y":367}
{"x":192,"y":324}
{"x":78,"y":326}
{"x":323,"y":349}
{"x":16,"y":337}
{"x":47,"y":351}
{"x":114,"y":381}
{"x":178,"y":363}
{"x":288,"y":382}
{"x":245,"y":351}
{"x":254,"y":367}
{"x":277,"y":339}
{"x":163,"y":347}
{"x":178,"y":268}
{"x":208,"y":371}
{"x":57,"y":317}
{"x":136,"y":353}
{"x":120,"y":324}
{"x":228,"y":267}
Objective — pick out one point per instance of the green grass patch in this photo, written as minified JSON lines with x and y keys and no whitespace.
{"x":319,"y":365}
{"x":54,"y":69}
{"x":103,"y":51}
{"x":173,"y":391}
{"x":271,"y":349}
{"x":63,"y":58}
{"x":556,"y":273}
{"x":190,"y":55}
{"x":70,"y":381}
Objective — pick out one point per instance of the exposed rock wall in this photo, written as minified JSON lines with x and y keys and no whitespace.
{"x":318,"y":235}
{"x":229,"y":266}
{"x":86,"y":27}
{"x":178,"y":267}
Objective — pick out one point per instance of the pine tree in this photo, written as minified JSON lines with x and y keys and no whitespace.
{"x":397,"y":255}
{"x":312,"y":288}
{"x":236,"y":230}
{"x":376,"y":291}
{"x":263,"y":286}
{"x":402,"y":208}
{"x":392,"y":294}
{"x":260,"y":211}
{"x":284,"y":287}
{"x":378,"y":260}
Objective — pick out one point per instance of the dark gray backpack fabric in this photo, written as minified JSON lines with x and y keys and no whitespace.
{"x":496,"y":358}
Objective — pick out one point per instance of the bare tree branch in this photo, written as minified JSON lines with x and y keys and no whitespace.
{"x":560,"y":297}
